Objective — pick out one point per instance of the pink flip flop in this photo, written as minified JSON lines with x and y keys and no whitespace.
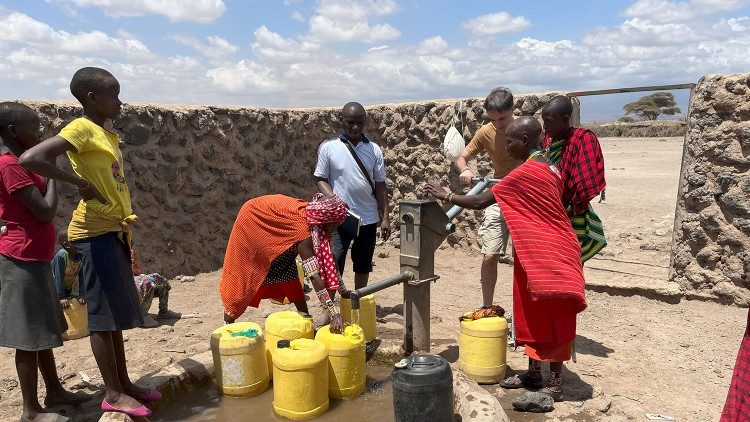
{"x":153,"y":395}
{"x":138,"y":412}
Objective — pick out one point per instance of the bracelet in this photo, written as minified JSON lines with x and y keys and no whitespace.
{"x":332,"y":311}
{"x":325,"y":298}
{"x":310,"y":267}
{"x":449,"y":197}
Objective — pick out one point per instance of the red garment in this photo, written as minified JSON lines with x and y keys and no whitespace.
{"x":265,"y":227}
{"x":27,"y":238}
{"x":547,"y":276}
{"x":581,"y":166}
{"x":737,"y":406}
{"x":319,"y":212}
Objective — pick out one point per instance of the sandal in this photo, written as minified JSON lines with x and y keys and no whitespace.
{"x":522,"y":381}
{"x":556,"y":395}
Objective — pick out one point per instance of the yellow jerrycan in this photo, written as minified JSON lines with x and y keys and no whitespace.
{"x":77,"y":317}
{"x":300,"y":379}
{"x":367,"y":317}
{"x":346,"y":361}
{"x":240,"y":362}
{"x":482,"y":347}
{"x":286,"y":325}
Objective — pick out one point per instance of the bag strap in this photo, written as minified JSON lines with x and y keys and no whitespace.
{"x":359,"y":163}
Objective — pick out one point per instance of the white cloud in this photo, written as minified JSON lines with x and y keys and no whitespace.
{"x":303,"y":70}
{"x":380,"y":47}
{"x":245,"y":75}
{"x":271,"y":46}
{"x":432,"y":45}
{"x":325,"y":29}
{"x":495,"y":23}
{"x":348,"y":20}
{"x":297,"y":16}
{"x":21,"y":28}
{"x":216,"y":48}
{"x":199,"y":11}
{"x":680,"y":11}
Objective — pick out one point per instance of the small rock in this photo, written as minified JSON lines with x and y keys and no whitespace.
{"x":8,"y":384}
{"x":188,"y":334}
{"x":383,"y":254}
{"x":603,"y":404}
{"x":624,"y":235}
{"x":534,"y":402}
{"x":187,"y":279}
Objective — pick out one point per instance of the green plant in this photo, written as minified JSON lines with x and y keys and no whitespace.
{"x":652,"y":106}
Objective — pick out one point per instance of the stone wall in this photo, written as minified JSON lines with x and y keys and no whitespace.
{"x":711,"y":247}
{"x":191,"y":168}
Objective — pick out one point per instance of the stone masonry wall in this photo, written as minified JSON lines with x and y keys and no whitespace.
{"x":191,"y":168}
{"x":711,"y":247}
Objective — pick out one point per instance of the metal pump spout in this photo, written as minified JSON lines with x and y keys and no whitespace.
{"x":355,"y":295}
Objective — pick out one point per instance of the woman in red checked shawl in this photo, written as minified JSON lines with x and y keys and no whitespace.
{"x":269,"y":232}
{"x":548,"y":284}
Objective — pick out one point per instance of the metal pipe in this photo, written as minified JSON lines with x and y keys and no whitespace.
{"x":456,"y":210}
{"x":631,"y":89}
{"x":355,"y":295}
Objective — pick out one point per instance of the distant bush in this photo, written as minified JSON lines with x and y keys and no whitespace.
{"x":640,"y":129}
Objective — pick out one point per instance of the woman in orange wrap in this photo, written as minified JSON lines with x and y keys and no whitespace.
{"x":269,"y":232}
{"x":548,"y":284}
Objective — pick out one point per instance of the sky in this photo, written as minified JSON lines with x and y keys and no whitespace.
{"x":306,"y":53}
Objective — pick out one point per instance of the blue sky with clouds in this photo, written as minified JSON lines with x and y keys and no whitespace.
{"x":300,"y":53}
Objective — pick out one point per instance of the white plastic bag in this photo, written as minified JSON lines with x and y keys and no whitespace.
{"x":453,"y":144}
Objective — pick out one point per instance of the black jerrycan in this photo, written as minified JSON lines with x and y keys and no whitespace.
{"x":423,"y":390}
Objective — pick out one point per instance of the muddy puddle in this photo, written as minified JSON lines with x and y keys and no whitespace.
{"x":206,"y":404}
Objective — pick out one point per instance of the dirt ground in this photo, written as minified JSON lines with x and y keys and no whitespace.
{"x":634,"y":355}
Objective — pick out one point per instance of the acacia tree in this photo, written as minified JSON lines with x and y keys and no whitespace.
{"x":652,"y":106}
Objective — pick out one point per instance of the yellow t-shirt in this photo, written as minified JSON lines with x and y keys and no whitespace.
{"x":98,"y":160}
{"x":487,"y":139}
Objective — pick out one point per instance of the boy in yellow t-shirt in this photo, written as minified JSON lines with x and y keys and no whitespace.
{"x":99,"y":229}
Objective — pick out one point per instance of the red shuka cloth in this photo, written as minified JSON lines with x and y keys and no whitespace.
{"x":547,"y":276}
{"x":737,"y":406}
{"x":265,"y":227}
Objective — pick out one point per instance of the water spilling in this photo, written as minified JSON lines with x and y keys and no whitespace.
{"x":355,"y":317}
{"x":206,"y":404}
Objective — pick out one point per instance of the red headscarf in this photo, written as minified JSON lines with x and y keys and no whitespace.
{"x":325,"y":210}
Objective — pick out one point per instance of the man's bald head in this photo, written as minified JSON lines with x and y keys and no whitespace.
{"x":352,"y":109}
{"x":526,"y":126}
{"x":559,"y":105}
{"x":522,"y":136}
{"x":556,"y":116}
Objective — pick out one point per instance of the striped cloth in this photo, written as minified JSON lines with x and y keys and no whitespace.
{"x":548,"y":283}
{"x":584,"y":179}
{"x":737,"y":406}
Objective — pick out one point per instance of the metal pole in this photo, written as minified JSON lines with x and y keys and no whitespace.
{"x":456,"y":210}
{"x":631,"y":89}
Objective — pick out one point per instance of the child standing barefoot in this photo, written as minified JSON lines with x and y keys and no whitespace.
{"x":100,"y":230}
{"x":31,"y":319}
